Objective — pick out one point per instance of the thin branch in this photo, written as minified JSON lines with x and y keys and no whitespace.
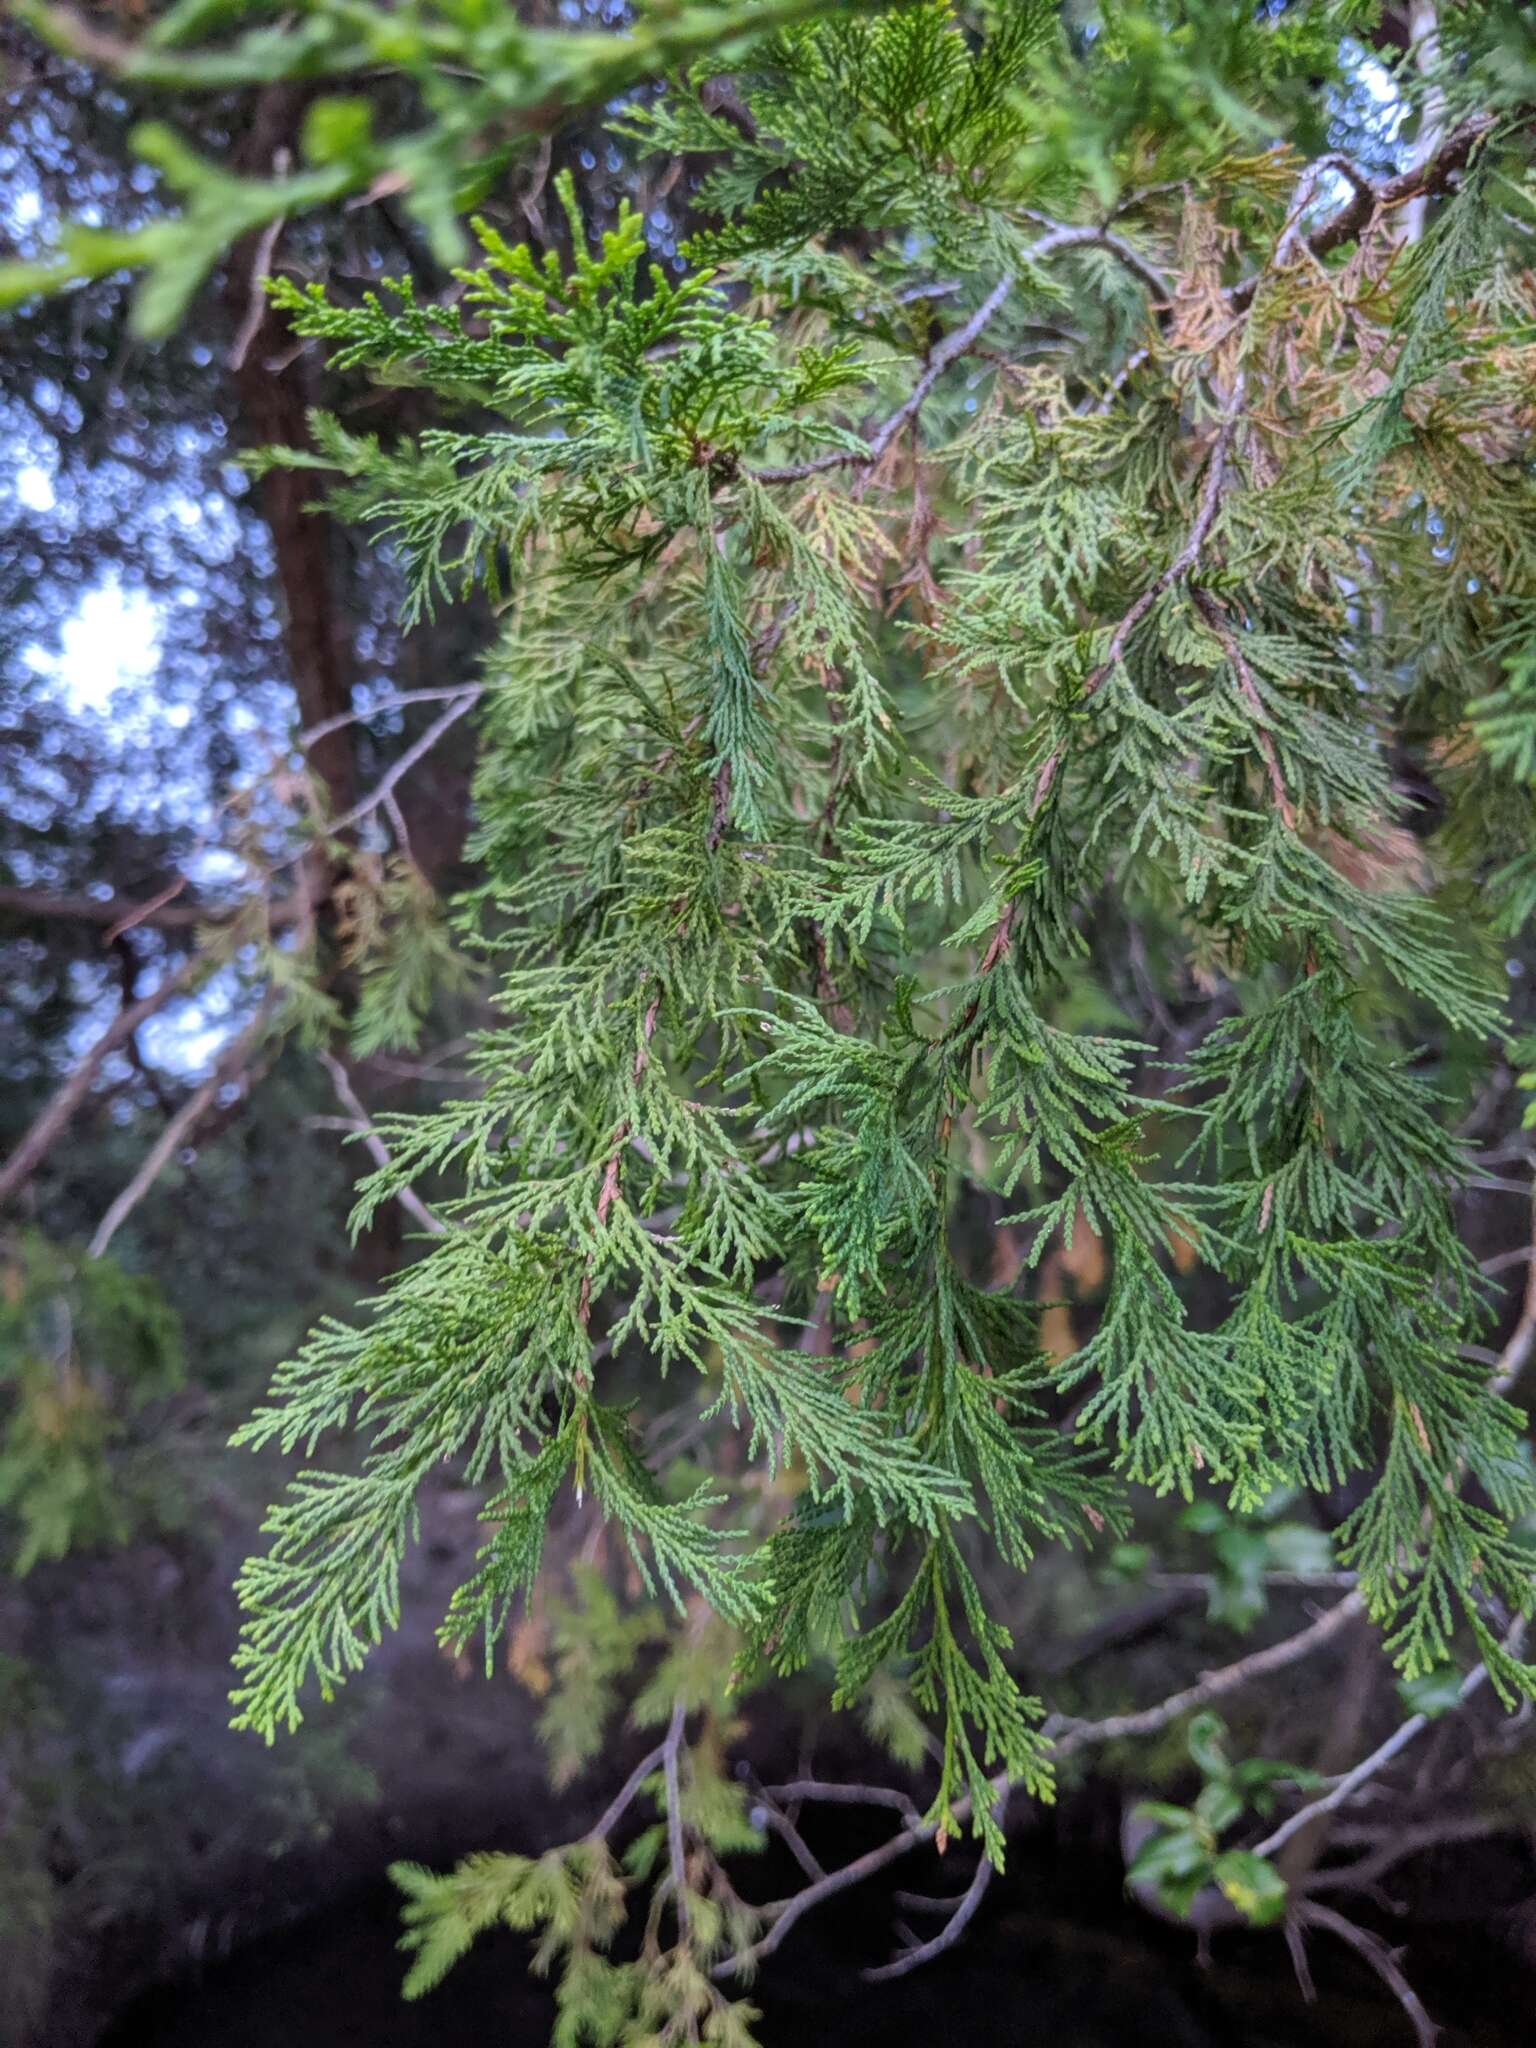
{"x":787,"y":1911}
{"x":1502,"y":1261}
{"x":911,"y":294}
{"x":374,"y":1145}
{"x":622,"y":1800}
{"x":180,"y":1128}
{"x":959,"y":1920}
{"x":1182,"y":563}
{"x":1296,"y":1942}
{"x":784,"y":1913}
{"x":791,"y":1837}
{"x":926,"y":1902}
{"x":1373,"y":1950}
{"x":402,"y":702}
{"x":1216,"y":619}
{"x":830,"y":1792}
{"x":1366,"y":1870}
{"x":1064,"y":235}
{"x":61,"y":1106}
{"x":160,"y":912}
{"x":261,"y":264}
{"x":960,"y":343}
{"x":1347,"y":1786}
{"x":1512,"y":1359}
{"x":398,"y":826}
{"x":1368,"y":200}
{"x":143,"y":913}
{"x":949,"y":350}
{"x":719,"y":808}
{"x":1215,"y":1685}
{"x":676,"y":1849}
{"x":465,"y":700}
{"x":1203,"y":1582}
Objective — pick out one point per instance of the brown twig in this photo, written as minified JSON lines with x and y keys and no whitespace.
{"x":622,"y":1800}
{"x":1216,"y":619}
{"x":676,"y":1847}
{"x":374,"y":1145}
{"x":142,"y":913}
{"x":961,"y":342}
{"x":61,"y":1106}
{"x":915,"y":1834}
{"x":180,"y":1128}
{"x":948,"y":1935}
{"x":464,"y":701}
{"x":1401,"y":1736}
{"x":160,"y":913}
{"x":1183,"y":562}
{"x":261,"y":264}
{"x":949,"y":350}
{"x":1381,"y":1959}
{"x":402,"y":701}
{"x":1215,"y":1685}
{"x":1180,"y":566}
{"x":1434,"y":175}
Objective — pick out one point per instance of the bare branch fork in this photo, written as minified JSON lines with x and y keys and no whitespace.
{"x":783,"y":1914}
{"x":1368,"y":200}
{"x":1347,"y":1786}
{"x":1216,"y":477}
{"x":374,"y":1145}
{"x":1073,"y":1735}
{"x":60,"y":1109}
{"x":1374,"y":1951}
{"x":960,"y":343}
{"x":1070,"y":1736}
{"x":165,"y":913}
{"x":230,"y":1068}
{"x":1433,"y":175}
{"x":464,"y":700}
{"x":401,"y":701}
{"x":961,"y":1918}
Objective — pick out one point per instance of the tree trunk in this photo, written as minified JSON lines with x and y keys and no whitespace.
{"x":272,"y":379}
